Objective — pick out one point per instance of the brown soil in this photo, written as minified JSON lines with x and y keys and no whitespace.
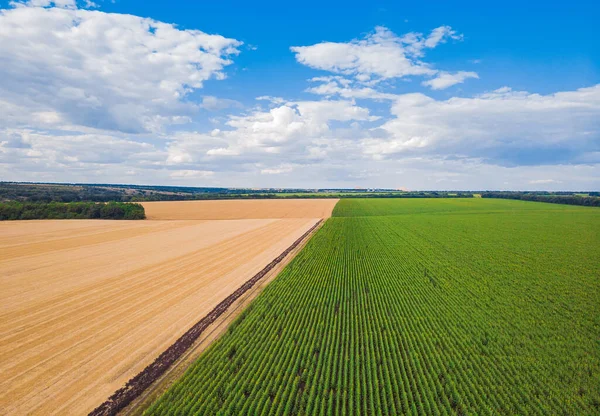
{"x":87,"y":305}
{"x":239,"y":209}
{"x":176,"y":352}
{"x":210,"y":335}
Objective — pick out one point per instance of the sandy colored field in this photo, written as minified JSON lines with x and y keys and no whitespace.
{"x":85,"y":305}
{"x":213,"y":332}
{"x":239,"y":209}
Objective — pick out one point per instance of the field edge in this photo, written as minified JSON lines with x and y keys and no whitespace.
{"x":212,"y":334}
{"x":137,"y":385}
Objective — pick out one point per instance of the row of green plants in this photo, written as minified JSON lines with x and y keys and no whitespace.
{"x":490,"y":312}
{"x":15,"y":210}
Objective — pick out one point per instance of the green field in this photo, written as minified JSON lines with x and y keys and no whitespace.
{"x":425,"y":307}
{"x":390,"y":207}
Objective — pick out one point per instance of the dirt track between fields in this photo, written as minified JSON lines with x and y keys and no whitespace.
{"x":210,"y":335}
{"x":138,"y":384}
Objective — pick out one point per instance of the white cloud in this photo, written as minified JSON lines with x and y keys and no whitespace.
{"x":215,"y":104}
{"x":66,"y":4}
{"x":504,"y":127}
{"x":459,"y":143}
{"x":380,"y":55}
{"x":260,"y":140}
{"x":543,"y":181}
{"x":94,"y":97}
{"x":440,"y":35}
{"x":273,"y":100}
{"x":284,"y":168}
{"x":292,"y":122}
{"x":332,"y":86}
{"x":193,"y":174}
{"x":105,"y":70}
{"x":444,"y":80}
{"x":32,"y":150}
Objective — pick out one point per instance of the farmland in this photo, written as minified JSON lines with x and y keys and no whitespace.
{"x":240,"y":209}
{"x":86,"y":305}
{"x":419,"y":307}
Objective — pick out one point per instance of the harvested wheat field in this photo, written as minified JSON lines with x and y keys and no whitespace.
{"x":239,"y":209}
{"x":88,"y":304}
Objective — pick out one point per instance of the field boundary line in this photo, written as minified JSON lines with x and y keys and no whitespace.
{"x":138,"y":384}
{"x":211,"y":335}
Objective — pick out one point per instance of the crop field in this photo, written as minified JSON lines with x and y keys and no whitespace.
{"x":464,"y":206}
{"x":87,"y":304}
{"x":417,"y":307}
{"x":239,"y":209}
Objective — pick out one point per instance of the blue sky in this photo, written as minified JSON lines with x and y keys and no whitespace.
{"x":428,"y":95}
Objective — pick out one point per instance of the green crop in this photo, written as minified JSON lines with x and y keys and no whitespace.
{"x":417,"y":307}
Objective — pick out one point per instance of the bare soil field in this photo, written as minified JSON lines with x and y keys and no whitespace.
{"x":239,"y":209}
{"x":212,"y":333}
{"x":86,"y":305}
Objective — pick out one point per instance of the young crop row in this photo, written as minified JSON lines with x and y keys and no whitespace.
{"x":423,"y":314}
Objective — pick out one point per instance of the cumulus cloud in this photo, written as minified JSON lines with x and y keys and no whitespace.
{"x":277,"y":170}
{"x":37,"y":151}
{"x":87,"y":96}
{"x":104,"y":70}
{"x":193,"y":174}
{"x":456,"y":143}
{"x":543,"y":181}
{"x":287,"y":130}
{"x":66,"y":4}
{"x":380,"y":55}
{"x":503,"y":127}
{"x":340,"y":86}
{"x":215,"y":104}
{"x":444,"y":80}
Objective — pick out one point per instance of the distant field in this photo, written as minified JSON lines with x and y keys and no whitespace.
{"x":85,"y":305}
{"x":239,"y":209}
{"x":385,"y":207}
{"x":418,"y":307}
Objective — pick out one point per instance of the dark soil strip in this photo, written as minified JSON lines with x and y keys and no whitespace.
{"x":136,"y":386}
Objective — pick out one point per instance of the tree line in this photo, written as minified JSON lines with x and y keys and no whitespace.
{"x":16,"y":210}
{"x":590,"y":201}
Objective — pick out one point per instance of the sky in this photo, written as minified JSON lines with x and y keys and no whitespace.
{"x":436,"y":95}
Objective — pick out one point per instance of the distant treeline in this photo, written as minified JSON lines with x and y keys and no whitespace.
{"x":16,"y":210}
{"x":60,"y":193}
{"x":39,"y":192}
{"x":36,"y":192}
{"x":590,"y":201}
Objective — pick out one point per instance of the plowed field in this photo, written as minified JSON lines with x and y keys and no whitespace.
{"x":85,"y":305}
{"x":239,"y":209}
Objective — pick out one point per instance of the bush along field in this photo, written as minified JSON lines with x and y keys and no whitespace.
{"x":15,"y":210}
{"x":439,"y":307}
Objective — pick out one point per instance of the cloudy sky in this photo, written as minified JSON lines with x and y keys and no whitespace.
{"x":431,"y":95}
